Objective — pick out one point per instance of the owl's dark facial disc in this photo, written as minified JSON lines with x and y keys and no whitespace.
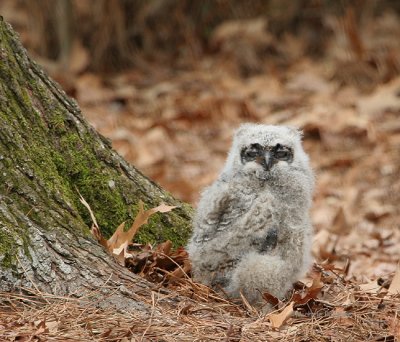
{"x":266,"y":156}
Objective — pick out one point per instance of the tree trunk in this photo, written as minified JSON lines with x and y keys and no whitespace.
{"x":47,"y":153}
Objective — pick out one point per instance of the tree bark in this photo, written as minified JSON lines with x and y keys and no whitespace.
{"x":47,"y":153}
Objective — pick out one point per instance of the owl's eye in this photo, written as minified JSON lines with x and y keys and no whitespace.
{"x":283,"y":153}
{"x":251,"y":153}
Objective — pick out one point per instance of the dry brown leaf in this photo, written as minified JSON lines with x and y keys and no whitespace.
{"x":340,"y":225}
{"x":320,"y":243}
{"x":95,"y":230}
{"x":385,"y":97}
{"x":277,"y":320}
{"x":99,"y":237}
{"x":394,"y":287}
{"x":310,"y":80}
{"x":52,"y":326}
{"x":162,"y":256}
{"x":118,"y":243}
{"x":179,"y":272}
{"x":121,"y":253}
{"x":180,"y":255}
{"x":41,"y":327}
{"x":310,"y":292}
{"x":376,"y":211}
{"x":269,"y":298}
{"x":86,"y":204}
{"x":371,"y":287}
{"x":116,"y":239}
{"x":164,"y":247}
{"x":120,"y":236}
{"x":162,"y":208}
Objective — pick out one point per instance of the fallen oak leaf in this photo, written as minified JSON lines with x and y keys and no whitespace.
{"x":46,"y":326}
{"x":163,"y":262}
{"x":310,"y":292}
{"x":162,"y":208}
{"x":180,"y":255}
{"x":171,"y":264}
{"x":330,"y":267}
{"x":277,"y":320}
{"x":371,"y":287}
{"x":41,"y":327}
{"x":99,"y":237}
{"x":139,"y":261}
{"x":164,"y":247}
{"x":179,"y":272}
{"x":340,"y":224}
{"x":162,"y":258}
{"x":95,"y":230}
{"x":86,"y":204}
{"x":394,"y":287}
{"x":269,"y":298}
{"x":118,"y":243}
{"x":117,"y":239}
{"x":121,"y":253}
{"x":120,"y":236}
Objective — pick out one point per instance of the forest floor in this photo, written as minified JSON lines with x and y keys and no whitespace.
{"x":175,"y":125}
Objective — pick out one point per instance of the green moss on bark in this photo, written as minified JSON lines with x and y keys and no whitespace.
{"x":7,"y":247}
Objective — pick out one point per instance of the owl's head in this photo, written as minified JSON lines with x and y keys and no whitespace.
{"x":267,"y":151}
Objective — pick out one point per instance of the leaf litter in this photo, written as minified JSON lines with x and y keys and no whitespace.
{"x":327,"y":301}
{"x":118,"y":244}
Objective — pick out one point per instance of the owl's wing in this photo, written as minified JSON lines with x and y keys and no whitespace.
{"x":216,"y":211}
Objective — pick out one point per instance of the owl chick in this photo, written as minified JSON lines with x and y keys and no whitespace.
{"x":252,"y":230}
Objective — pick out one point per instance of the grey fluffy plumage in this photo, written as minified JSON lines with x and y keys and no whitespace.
{"x":252,"y":231}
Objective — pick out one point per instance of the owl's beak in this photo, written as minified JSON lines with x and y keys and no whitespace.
{"x":268,"y":161}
